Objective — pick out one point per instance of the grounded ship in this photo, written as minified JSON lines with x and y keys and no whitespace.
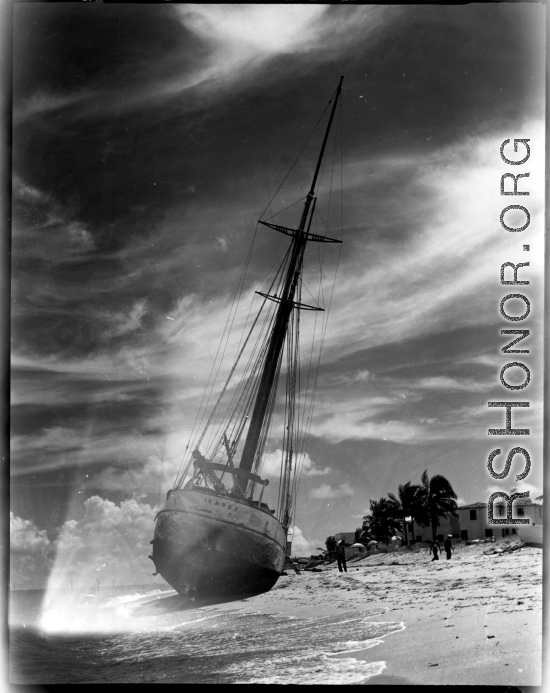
{"x":215,"y":537}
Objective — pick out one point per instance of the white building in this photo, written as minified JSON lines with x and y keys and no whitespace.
{"x":474,"y":521}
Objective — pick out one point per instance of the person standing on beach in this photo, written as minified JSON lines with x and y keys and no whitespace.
{"x":435,"y":548}
{"x":448,"y":545}
{"x":341,"y":556}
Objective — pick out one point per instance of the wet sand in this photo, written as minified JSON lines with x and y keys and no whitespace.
{"x":475,"y":619}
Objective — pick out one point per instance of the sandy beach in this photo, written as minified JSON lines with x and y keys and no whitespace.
{"x":475,"y":619}
{"x":393,"y":619}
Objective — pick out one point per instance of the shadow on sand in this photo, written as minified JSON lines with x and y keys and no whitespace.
{"x":174,"y":603}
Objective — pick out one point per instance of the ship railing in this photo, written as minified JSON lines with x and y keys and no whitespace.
{"x":241,"y":474}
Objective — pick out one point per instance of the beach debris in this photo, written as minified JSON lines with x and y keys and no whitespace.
{"x":508,"y":548}
{"x":433,"y":665}
{"x":490,"y":636}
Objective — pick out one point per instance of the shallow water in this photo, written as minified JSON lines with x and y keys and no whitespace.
{"x":145,"y":635}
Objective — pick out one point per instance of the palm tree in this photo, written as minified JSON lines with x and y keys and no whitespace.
{"x":408,"y":502}
{"x":439,"y":500}
{"x":383,"y":521}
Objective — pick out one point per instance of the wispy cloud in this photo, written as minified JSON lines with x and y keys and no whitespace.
{"x":446,"y":383}
{"x":272,"y":465}
{"x":326,"y":491}
{"x":124,"y":323}
{"x":420,"y":285}
{"x":236,"y":42}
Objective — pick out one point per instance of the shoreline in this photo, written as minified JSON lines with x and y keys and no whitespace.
{"x":475,"y":619}
{"x":392,"y":619}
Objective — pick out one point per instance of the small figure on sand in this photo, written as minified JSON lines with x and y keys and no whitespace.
{"x":341,"y":556}
{"x":435,"y":549}
{"x":448,"y":545}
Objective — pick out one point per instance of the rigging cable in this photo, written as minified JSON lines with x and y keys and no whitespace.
{"x":181,"y":476}
{"x":297,"y":158}
{"x":325,"y":322}
{"x":248,"y":374}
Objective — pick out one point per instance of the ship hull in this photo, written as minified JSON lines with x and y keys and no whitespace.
{"x":215,"y":547}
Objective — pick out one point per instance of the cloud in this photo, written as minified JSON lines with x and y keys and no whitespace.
{"x":25,"y":537}
{"x":42,"y":102}
{"x":520,"y":487}
{"x":31,"y":553}
{"x":132,"y":462}
{"x":405,"y":286}
{"x":326,"y":491}
{"x":243,"y":37}
{"x":305,"y":465}
{"x":108,"y":546}
{"x":440,"y":274}
{"x":446,"y":383}
{"x":243,"y":32}
{"x":23,"y":191}
{"x":234,"y":42}
{"x":151,"y":477}
{"x":45,"y":229}
{"x":109,"y":542}
{"x":301,"y":546}
{"x":363,"y":376}
{"x":482,"y":359}
{"x":124,"y":323}
{"x":349,"y":419}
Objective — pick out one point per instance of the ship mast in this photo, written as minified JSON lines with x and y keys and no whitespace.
{"x":286,"y":305}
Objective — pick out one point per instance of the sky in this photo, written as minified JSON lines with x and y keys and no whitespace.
{"x":148,"y":139}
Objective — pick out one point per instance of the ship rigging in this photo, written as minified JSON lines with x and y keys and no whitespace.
{"x":216,"y":537}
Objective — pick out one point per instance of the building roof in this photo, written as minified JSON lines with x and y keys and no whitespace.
{"x":471,"y":506}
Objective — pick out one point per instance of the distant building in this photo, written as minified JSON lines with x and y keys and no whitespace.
{"x":447,"y":525}
{"x":474,"y":522}
{"x":348,"y":537}
{"x":352,"y":550}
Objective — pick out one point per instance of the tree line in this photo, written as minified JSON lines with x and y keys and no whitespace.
{"x":424,"y":503}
